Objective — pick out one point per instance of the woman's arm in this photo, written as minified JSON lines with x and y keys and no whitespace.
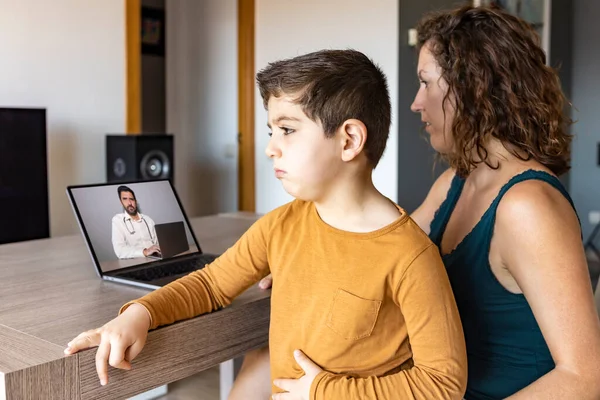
{"x":538,"y":238}
{"x":436,"y":196}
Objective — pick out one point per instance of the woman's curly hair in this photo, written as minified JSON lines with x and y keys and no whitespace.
{"x":500,"y":85}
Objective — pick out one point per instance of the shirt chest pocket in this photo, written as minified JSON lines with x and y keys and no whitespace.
{"x":352,"y":317}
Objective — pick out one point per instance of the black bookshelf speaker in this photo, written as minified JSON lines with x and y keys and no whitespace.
{"x":139,"y":157}
{"x":24,"y":210}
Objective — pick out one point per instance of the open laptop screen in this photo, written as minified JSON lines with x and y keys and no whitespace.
{"x":123,"y":223}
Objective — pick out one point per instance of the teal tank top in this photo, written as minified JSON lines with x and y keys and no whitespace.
{"x":505,"y":347}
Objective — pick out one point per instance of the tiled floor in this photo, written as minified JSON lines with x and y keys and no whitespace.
{"x":202,"y":386}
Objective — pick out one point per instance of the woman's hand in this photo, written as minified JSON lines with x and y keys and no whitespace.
{"x":266,"y":282}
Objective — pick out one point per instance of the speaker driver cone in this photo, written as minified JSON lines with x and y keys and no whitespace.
{"x":155,"y":165}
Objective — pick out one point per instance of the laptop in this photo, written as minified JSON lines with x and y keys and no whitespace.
{"x":171,"y":240}
{"x":116,"y":233}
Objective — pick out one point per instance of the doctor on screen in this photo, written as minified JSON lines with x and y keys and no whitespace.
{"x":133,"y":233}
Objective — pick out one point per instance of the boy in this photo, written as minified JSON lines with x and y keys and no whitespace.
{"x":357,"y":286}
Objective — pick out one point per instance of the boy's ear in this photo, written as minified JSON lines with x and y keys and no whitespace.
{"x":353,"y":136}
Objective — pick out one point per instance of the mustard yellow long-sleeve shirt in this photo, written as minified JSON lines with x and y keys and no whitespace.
{"x":374,"y":310}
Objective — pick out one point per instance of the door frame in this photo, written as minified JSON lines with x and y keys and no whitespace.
{"x":246,"y":153}
{"x":245,"y":51}
{"x":133,"y":67}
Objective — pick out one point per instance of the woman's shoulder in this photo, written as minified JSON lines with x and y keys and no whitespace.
{"x":535,"y":188}
{"x":533,"y":202}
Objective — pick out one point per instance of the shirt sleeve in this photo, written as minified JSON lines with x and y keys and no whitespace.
{"x":119,"y":242}
{"x":214,"y":286}
{"x":439,"y":369}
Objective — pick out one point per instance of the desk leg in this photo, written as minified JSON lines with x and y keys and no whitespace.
{"x":228,"y":371}
{"x":226,"y":378}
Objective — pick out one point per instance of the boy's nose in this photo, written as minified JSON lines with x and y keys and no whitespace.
{"x":272,"y":150}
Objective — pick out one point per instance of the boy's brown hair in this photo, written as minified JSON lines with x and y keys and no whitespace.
{"x":333,"y":86}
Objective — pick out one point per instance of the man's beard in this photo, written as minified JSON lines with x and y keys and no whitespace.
{"x":131,"y":213}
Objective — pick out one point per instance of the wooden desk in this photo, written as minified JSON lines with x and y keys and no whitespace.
{"x":49,"y":293}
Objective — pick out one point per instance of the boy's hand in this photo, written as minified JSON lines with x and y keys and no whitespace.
{"x":266,"y":282}
{"x":298,"y":389}
{"x":119,"y":341}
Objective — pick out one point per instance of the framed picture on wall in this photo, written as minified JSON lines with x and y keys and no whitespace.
{"x":536,"y":12}
{"x":153,"y":31}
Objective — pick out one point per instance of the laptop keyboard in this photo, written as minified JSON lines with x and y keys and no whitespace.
{"x":171,"y":269}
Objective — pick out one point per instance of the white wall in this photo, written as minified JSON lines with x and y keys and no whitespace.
{"x":286,"y":28}
{"x":202,"y":102}
{"x":67,"y":56}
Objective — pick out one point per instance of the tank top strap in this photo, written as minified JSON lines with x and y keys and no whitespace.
{"x":442,"y":215}
{"x":529,"y":175}
{"x":489,"y":217}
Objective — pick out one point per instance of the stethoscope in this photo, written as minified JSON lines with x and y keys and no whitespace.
{"x":132,"y":230}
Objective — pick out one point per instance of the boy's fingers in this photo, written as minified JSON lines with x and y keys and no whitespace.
{"x":307,"y":365}
{"x":83,"y":341}
{"x":283,"y":396}
{"x":117,"y":354}
{"x":133,"y":350}
{"x":102,"y":361}
{"x":126,"y":365}
{"x":285,"y":384}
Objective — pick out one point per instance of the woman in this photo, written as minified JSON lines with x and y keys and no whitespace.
{"x":506,"y":228}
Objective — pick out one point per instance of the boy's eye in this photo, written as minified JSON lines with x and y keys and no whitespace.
{"x":423,"y":82}
{"x":286,"y":131}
